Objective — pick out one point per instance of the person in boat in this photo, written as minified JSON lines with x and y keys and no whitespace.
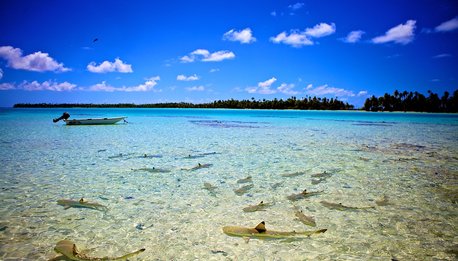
{"x":64,"y":116}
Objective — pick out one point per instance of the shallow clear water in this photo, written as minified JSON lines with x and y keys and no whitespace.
{"x":158,"y":203}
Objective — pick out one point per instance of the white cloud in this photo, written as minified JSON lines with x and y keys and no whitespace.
{"x":214,"y":70}
{"x":260,"y":90}
{"x":219,"y":56}
{"x":362,"y":93}
{"x":296,"y":6}
{"x":205,"y":56}
{"x":297,"y":38}
{"x":447,"y":26}
{"x":187,"y":59}
{"x":287,"y":89}
{"x":267,"y":83}
{"x":46,"y":86}
{"x":196,"y":88}
{"x":106,"y":66}
{"x":320,"y":30}
{"x":265,"y":87}
{"x":442,"y":55}
{"x":202,"y":52}
{"x":327,"y":90}
{"x":7,"y":86}
{"x":1,"y":73}
{"x":37,"y":62}
{"x":273,"y":13}
{"x":183,"y":77}
{"x":244,"y":36}
{"x":148,"y":85}
{"x":402,"y":34}
{"x":354,"y":36}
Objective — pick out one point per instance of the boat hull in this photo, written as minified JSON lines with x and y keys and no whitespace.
{"x":94,"y":121}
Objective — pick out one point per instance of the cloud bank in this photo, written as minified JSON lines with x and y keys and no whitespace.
{"x":36,"y":86}
{"x":148,"y":85}
{"x":37,"y":62}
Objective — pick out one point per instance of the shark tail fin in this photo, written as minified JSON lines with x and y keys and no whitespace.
{"x":127,"y":256}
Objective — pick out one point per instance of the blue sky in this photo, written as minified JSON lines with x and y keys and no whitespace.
{"x":200,"y":51}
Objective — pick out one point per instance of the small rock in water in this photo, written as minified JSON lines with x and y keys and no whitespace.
{"x":140,"y":226}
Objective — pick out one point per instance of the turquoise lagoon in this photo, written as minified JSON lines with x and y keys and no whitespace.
{"x":141,"y":171}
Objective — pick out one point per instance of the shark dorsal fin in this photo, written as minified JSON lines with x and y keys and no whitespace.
{"x":82,"y":200}
{"x":304,"y":192}
{"x":261,"y":203}
{"x":261,"y":227}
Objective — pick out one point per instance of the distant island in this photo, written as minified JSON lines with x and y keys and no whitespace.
{"x":398,"y":101}
{"x":308,"y":103}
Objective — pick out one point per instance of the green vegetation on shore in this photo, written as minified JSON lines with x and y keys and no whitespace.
{"x":308,"y":103}
{"x":413,"y":101}
{"x":398,"y":101}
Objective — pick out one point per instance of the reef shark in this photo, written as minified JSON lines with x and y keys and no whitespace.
{"x":307,"y":220}
{"x":341,"y":207}
{"x":244,"y":189}
{"x":245,"y":180}
{"x":211,"y":188}
{"x":295,"y":174}
{"x":303,"y":194}
{"x":258,"y":207}
{"x":69,"y":250}
{"x":261,"y":232}
{"x":82,"y":203}
{"x":152,"y":170}
{"x":199,"y":166}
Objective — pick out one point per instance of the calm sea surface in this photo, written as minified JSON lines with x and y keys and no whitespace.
{"x":403,"y":165}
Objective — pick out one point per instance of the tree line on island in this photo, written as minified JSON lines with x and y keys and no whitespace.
{"x":307,"y":103}
{"x":413,"y":101}
{"x":398,"y":101}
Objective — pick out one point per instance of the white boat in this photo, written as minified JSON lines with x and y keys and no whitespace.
{"x":94,"y":121}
